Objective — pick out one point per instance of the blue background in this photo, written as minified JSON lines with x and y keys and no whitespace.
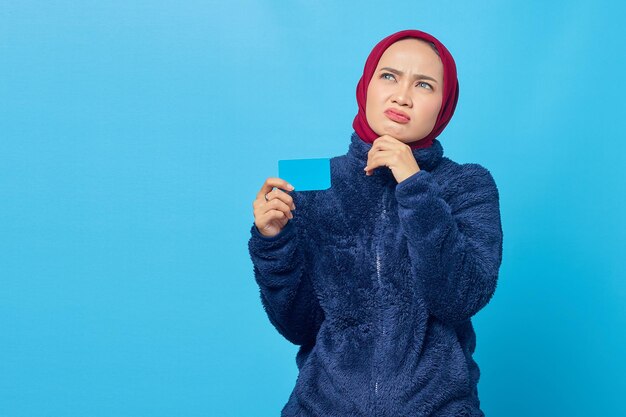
{"x":135,"y":135}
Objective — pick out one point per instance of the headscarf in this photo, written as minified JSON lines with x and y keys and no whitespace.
{"x":450,"y":94}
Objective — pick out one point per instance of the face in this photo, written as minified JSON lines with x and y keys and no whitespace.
{"x":408,"y":80}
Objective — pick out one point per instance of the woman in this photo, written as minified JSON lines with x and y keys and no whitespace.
{"x":377,"y":278}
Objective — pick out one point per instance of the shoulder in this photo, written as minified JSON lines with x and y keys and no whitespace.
{"x":460,"y":178}
{"x":479,"y":177}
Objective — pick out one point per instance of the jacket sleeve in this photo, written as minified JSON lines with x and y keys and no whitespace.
{"x":455,"y":248}
{"x":287,"y":294}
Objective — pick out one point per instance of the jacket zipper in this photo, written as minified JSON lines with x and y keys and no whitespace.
{"x":378,"y":269}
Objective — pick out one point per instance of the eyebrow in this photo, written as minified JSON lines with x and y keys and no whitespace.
{"x":416,"y":76}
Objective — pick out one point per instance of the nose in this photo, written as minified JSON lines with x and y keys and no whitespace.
{"x":402,"y":96}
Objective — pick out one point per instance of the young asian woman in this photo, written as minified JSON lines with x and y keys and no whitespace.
{"x":378,"y":277}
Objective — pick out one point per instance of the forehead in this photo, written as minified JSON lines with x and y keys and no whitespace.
{"x":412,"y":55}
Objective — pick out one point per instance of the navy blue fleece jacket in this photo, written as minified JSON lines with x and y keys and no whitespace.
{"x":377,"y":283}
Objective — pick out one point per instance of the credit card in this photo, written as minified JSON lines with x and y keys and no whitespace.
{"x":305,"y":174}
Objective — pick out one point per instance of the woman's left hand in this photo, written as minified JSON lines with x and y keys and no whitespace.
{"x":389,"y":151}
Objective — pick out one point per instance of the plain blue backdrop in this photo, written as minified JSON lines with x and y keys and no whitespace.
{"x":135,"y":135}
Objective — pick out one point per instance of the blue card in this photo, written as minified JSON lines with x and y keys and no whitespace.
{"x":305,"y":174}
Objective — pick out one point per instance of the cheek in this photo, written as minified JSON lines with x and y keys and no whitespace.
{"x":375,"y":92}
{"x":370,"y":112}
{"x":370,"y":99}
{"x":432,"y":107}
{"x":370,"y":106}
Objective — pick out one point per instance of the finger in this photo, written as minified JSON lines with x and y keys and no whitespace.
{"x":381,"y":140}
{"x":276,"y":204}
{"x":282,"y":196}
{"x":387,"y":142}
{"x":281,"y":205}
{"x":371,"y":153}
{"x":273,"y":215}
{"x":272,"y":182}
{"x":381,"y":144}
{"x":379,"y":159}
{"x":391,"y":139}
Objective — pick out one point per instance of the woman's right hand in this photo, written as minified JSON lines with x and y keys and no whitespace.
{"x":272,"y":215}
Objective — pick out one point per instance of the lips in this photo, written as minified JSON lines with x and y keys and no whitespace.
{"x":397,"y":115}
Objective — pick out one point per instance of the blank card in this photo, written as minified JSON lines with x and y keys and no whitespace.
{"x":305,"y":174}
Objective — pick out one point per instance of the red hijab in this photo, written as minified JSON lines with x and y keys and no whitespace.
{"x":450,"y":88}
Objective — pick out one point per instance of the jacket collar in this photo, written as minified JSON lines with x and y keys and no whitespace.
{"x":358,"y":193}
{"x":427,"y":158}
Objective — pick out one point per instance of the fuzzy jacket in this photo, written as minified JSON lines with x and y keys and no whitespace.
{"x":377,"y":281}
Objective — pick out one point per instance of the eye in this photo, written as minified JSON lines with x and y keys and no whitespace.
{"x":385,"y":74}
{"x":422,"y":82}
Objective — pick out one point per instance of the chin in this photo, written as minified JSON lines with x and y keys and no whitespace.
{"x":396,"y":131}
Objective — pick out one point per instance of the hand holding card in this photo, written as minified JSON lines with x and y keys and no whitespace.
{"x":272,"y":206}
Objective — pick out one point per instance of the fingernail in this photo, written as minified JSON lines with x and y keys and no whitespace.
{"x":290,"y":187}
